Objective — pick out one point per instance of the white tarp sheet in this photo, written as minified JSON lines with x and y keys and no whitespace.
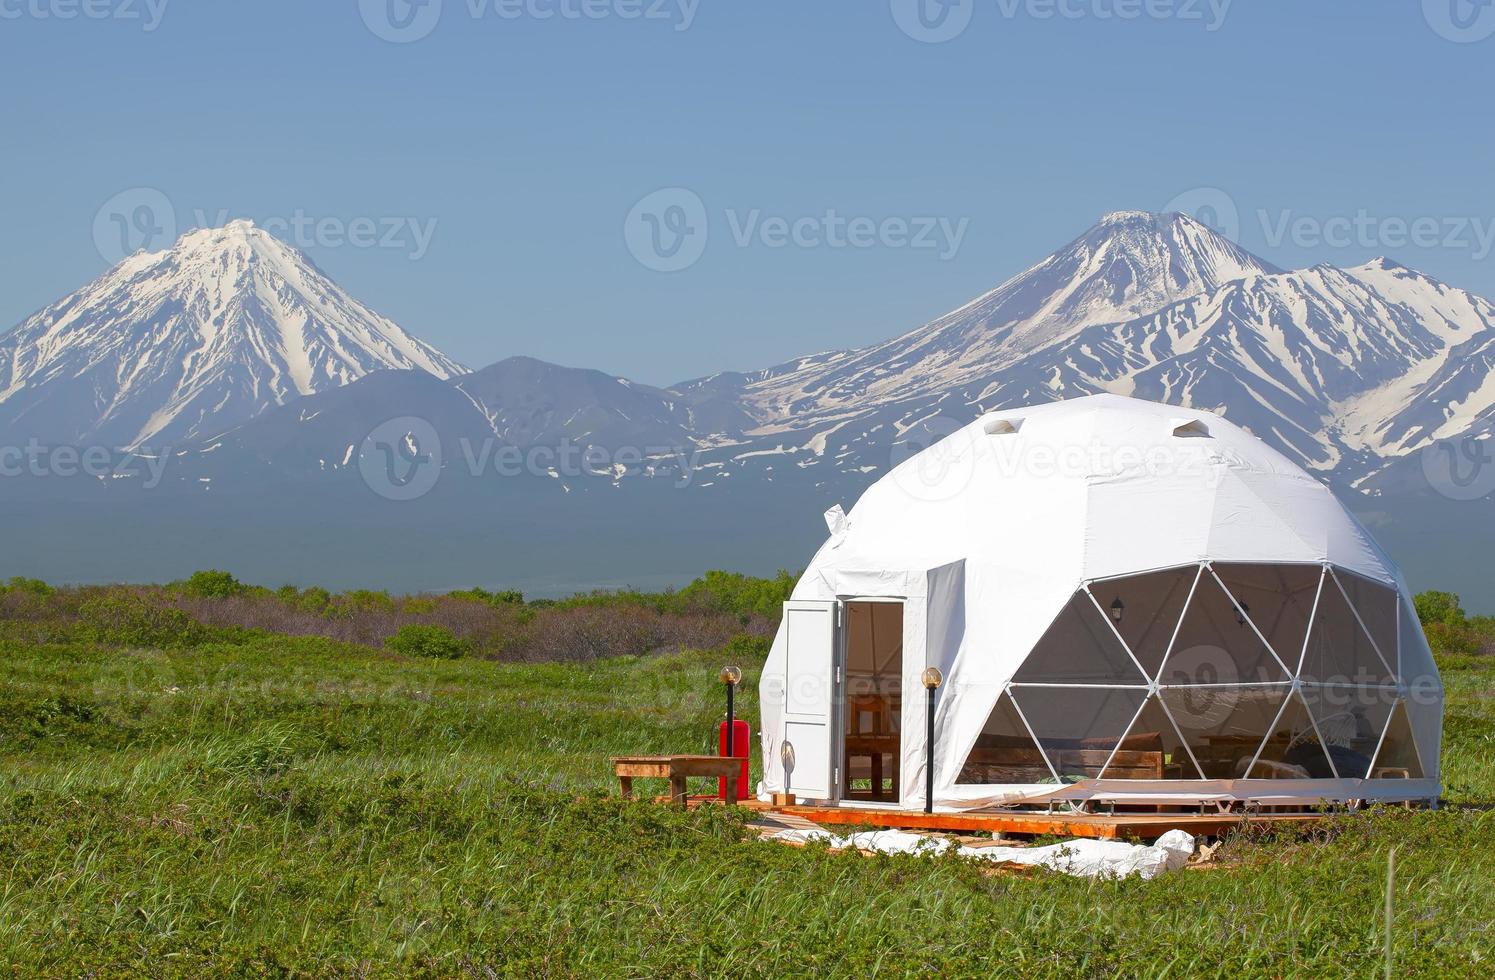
{"x":1080,"y":857}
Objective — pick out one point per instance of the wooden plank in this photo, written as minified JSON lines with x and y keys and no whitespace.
{"x":1101,"y":826}
{"x":646,"y":770}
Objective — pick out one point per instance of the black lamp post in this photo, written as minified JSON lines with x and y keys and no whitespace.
{"x":932,"y":679}
{"x":731,"y":676}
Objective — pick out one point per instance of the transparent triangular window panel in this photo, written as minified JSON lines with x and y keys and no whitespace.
{"x":1398,"y":758}
{"x":1339,"y":651}
{"x":1292,"y":748}
{"x":1004,"y":752}
{"x":1278,"y":599}
{"x":1414,"y":657}
{"x":1146,"y":610}
{"x":1079,"y":648}
{"x":1152,"y":749}
{"x":1378,"y":608}
{"x":1217,"y":645}
{"x":1078,"y":727}
{"x":1223,"y":726}
{"x":1350,"y":721}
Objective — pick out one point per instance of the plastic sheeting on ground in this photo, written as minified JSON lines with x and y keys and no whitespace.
{"x":1079,"y":857}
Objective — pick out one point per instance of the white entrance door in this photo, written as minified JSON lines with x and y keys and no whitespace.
{"x":810,"y":698}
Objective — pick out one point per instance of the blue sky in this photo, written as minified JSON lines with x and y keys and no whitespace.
{"x":517,"y":145}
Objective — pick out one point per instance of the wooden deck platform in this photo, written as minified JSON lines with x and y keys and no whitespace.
{"x":1119,"y":826}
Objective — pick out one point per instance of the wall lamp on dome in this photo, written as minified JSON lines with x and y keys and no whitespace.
{"x":1241,"y":612}
{"x":1118,"y":609}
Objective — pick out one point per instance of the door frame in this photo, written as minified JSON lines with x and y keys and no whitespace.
{"x":838,"y":709}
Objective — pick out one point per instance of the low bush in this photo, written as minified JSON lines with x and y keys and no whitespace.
{"x":1451,"y":631}
{"x":506,"y":598}
{"x":213,"y":584}
{"x":29,"y":586}
{"x":123,"y":618}
{"x":496,"y":625}
{"x":436,"y":642}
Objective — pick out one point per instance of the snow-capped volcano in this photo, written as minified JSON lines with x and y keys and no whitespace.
{"x":1343,"y":370}
{"x":171,"y":345}
{"x":1130,"y":264}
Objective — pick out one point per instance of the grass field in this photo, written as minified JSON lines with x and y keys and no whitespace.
{"x":271,"y":804}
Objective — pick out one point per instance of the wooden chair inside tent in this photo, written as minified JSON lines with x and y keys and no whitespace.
{"x":870,"y":736}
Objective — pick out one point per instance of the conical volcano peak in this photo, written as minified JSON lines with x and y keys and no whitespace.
{"x":241,"y":234}
{"x":1130,"y":218}
{"x":1129,"y":264}
{"x":180,"y":344}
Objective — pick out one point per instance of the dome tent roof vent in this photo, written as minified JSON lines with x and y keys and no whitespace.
{"x":1190,"y":429}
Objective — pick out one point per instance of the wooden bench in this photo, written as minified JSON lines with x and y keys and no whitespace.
{"x":677,"y":769}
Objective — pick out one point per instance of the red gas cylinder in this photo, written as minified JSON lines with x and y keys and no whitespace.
{"x":741,"y":738}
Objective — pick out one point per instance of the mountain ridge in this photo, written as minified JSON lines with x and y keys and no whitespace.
{"x":1351,"y":372}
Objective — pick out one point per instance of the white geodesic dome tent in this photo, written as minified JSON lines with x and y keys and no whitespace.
{"x":1129,"y":602}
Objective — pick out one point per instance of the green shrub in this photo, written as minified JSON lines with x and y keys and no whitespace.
{"x":1439,"y":607}
{"x":739,"y":595}
{"x":747,"y":648}
{"x":366,"y":600}
{"x":426,"y":641}
{"x":316,"y":599}
{"x":128,"y":619}
{"x":30,"y":586}
{"x":508,"y":597}
{"x":213,"y":584}
{"x":1450,"y":631}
